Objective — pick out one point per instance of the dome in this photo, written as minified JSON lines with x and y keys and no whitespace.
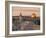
{"x":33,"y":15}
{"x":20,"y":14}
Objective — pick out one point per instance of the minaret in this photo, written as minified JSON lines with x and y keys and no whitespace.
{"x":20,"y":18}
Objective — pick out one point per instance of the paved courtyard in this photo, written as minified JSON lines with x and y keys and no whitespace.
{"x":26,"y":25}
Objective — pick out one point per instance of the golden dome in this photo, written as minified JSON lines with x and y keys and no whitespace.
{"x":33,"y":15}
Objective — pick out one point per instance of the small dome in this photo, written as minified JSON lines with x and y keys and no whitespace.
{"x":20,"y":14}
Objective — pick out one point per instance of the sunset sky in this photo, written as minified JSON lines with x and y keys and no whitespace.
{"x":25,"y":11}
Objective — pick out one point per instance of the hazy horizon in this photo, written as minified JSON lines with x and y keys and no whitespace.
{"x":25,"y":11}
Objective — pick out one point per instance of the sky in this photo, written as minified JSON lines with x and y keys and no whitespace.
{"x":25,"y":11}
